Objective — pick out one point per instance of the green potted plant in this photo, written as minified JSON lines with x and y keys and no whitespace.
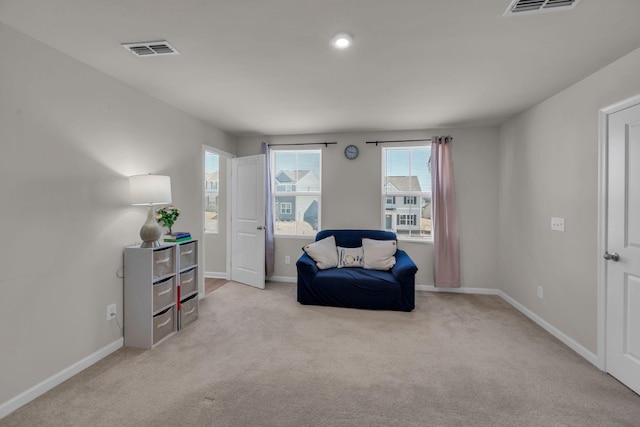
{"x":167,"y":216}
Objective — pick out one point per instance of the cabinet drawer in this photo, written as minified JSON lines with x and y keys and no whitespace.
{"x":188,"y":282}
{"x":163,"y":293}
{"x":188,"y":255}
{"x":163,"y":262}
{"x":163,"y":324}
{"x":188,"y":311}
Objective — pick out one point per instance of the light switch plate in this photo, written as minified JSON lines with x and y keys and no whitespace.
{"x":557,"y":224}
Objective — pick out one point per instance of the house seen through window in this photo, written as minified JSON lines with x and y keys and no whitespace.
{"x":406,"y":186}
{"x":211,"y":183}
{"x":296,"y":191}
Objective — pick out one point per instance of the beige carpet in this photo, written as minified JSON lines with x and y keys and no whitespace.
{"x":258,"y":358}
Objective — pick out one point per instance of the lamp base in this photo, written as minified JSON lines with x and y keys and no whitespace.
{"x":151,"y":231}
{"x":154,"y":244}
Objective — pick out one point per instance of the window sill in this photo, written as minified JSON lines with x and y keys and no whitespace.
{"x":294,"y":236}
{"x":420,"y":241}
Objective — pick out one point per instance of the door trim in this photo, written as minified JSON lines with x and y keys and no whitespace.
{"x":227,"y":157}
{"x":603,"y":145}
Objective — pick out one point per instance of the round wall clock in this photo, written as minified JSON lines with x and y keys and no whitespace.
{"x":351,"y":152}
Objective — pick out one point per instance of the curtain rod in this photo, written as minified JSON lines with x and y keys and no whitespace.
{"x":400,"y":140}
{"x":326,"y":144}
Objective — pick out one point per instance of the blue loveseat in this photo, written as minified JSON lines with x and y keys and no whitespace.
{"x":358,"y":287}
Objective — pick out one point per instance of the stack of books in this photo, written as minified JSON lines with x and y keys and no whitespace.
{"x":177,"y":237}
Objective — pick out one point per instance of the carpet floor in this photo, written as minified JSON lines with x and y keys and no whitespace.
{"x":258,"y":358}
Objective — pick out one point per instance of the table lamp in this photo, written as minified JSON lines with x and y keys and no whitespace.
{"x":150,"y":190}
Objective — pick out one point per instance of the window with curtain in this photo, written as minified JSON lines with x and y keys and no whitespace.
{"x":406,"y":187}
{"x":211,"y":184}
{"x":296,"y":179}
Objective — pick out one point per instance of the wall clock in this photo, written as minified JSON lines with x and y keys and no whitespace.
{"x":351,"y":152}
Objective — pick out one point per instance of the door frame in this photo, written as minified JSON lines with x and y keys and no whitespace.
{"x":227,"y":157}
{"x":603,"y":169}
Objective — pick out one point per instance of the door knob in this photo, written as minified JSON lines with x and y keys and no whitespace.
{"x":260,"y":227}
{"x":611,"y":256}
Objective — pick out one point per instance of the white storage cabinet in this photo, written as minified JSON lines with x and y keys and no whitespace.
{"x":152,"y":278}
{"x":188,"y":284}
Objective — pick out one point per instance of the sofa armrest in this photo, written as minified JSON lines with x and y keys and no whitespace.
{"x":306,"y":266}
{"x":307,"y":270}
{"x":405,"y":272}
{"x":404,"y":268}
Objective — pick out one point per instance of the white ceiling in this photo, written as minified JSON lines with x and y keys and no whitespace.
{"x":266,"y":66}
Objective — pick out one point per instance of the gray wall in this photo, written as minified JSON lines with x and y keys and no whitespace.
{"x":70,"y":137}
{"x":351,"y":196}
{"x":549,"y":167}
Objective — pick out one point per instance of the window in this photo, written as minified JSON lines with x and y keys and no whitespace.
{"x":404,"y":219}
{"x":211,"y":180}
{"x":296,"y":180}
{"x":406,"y":186}
{"x":285,"y":208}
{"x":410,"y":200}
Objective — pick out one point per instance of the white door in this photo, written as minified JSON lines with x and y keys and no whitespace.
{"x":247,"y":220}
{"x":623,"y":248}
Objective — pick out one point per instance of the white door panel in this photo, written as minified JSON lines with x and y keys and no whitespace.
{"x":623,"y":245}
{"x":247,"y":220}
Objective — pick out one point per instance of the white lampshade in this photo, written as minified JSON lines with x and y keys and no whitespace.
{"x":150,"y":189}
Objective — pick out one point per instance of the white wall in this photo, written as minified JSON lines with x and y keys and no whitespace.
{"x":549,"y":167}
{"x":352,"y":196}
{"x":70,"y":137}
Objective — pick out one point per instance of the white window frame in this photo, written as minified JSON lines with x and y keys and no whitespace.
{"x":213,"y":191}
{"x":417,"y":194}
{"x":296,"y":193}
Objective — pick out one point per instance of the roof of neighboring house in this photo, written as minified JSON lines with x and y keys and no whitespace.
{"x":211,"y":176}
{"x":404,"y":183}
{"x":290,"y":175}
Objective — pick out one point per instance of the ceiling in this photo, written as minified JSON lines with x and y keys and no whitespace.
{"x":266,"y":67}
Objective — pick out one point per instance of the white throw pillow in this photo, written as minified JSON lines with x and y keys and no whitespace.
{"x":350,"y":257}
{"x":323,"y":252}
{"x":379,"y":254}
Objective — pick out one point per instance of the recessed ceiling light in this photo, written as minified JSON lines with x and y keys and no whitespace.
{"x":341,"y":41}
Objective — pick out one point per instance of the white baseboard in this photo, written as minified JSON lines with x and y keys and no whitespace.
{"x":39,"y":389}
{"x":285,"y":279}
{"x":569,"y":342}
{"x":216,"y":275}
{"x":477,"y":291}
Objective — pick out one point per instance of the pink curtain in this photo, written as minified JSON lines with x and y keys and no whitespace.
{"x":446,"y":246}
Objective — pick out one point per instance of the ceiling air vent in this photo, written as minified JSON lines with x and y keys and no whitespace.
{"x":519,"y":7}
{"x":151,"y":48}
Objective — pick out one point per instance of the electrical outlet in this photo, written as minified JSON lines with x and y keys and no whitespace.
{"x":540,"y":292}
{"x":111,"y":312}
{"x":287,"y":259}
{"x":557,"y":224}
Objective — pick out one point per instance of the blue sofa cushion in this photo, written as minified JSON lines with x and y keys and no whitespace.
{"x":353,"y":238}
{"x":356,"y":287}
